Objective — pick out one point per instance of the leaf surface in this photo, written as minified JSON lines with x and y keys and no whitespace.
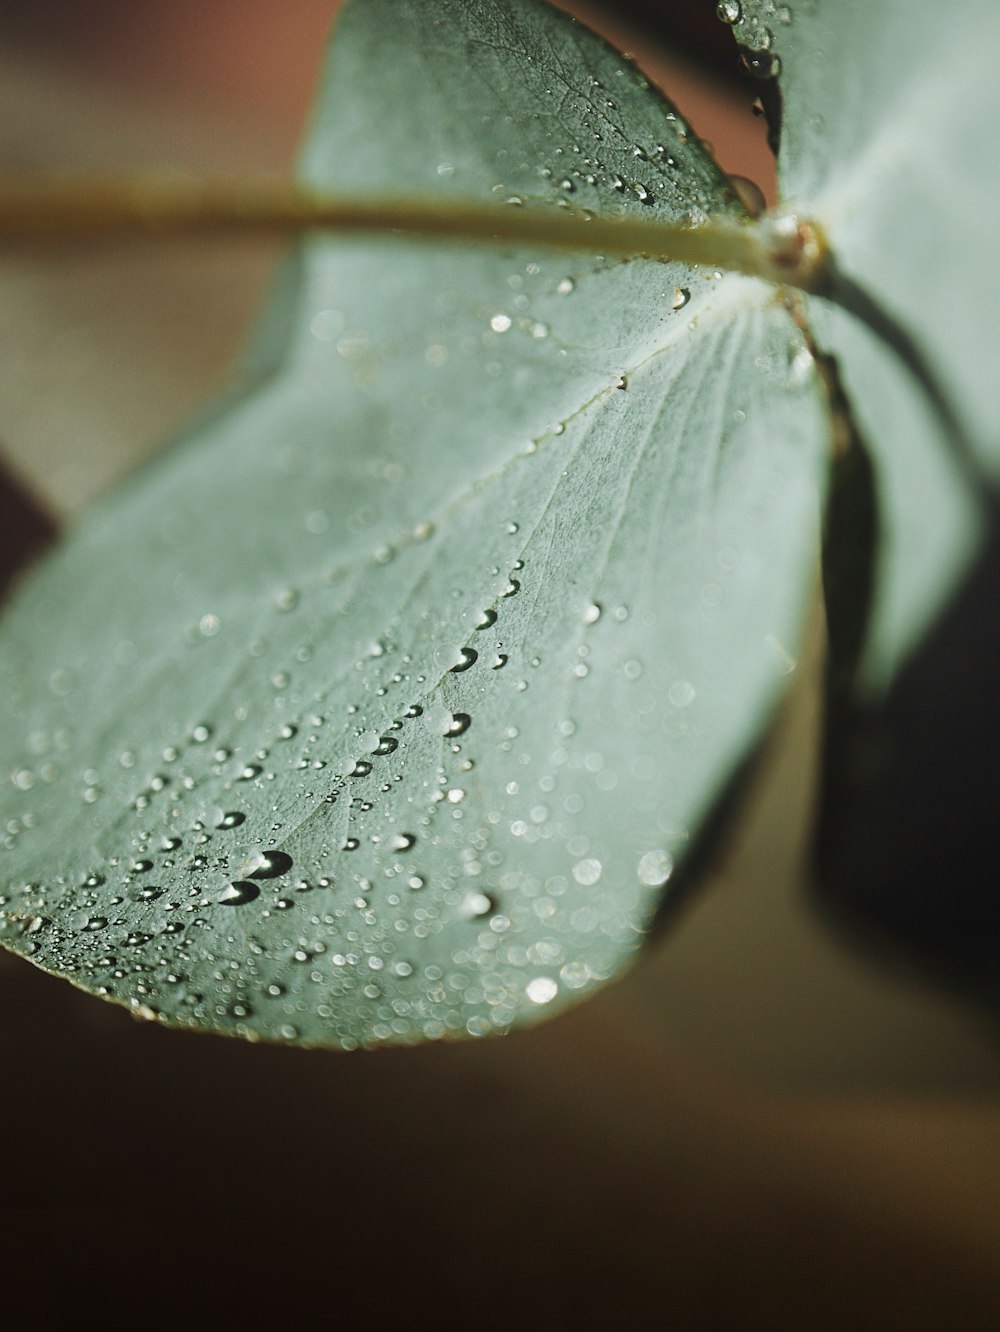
{"x":885,"y":119}
{"x":387,"y":703}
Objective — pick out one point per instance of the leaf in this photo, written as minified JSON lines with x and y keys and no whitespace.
{"x":884,"y":131}
{"x":882,"y":143}
{"x":385,"y":704}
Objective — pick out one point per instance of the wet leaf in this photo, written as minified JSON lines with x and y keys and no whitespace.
{"x":884,"y":111}
{"x":388,"y":704}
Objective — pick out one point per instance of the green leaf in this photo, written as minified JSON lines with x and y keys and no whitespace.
{"x":884,"y":109}
{"x":442,"y":643}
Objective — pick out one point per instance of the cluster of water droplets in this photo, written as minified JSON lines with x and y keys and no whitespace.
{"x":754,"y":25}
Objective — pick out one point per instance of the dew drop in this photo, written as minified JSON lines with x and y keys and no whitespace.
{"x":238,"y":893}
{"x":361,"y":769}
{"x":403,"y":841}
{"x":681,"y":693}
{"x":565,"y":286}
{"x":486,"y":619}
{"x":467,"y":657}
{"x":680,"y":298}
{"x":231,"y":820}
{"x":387,"y":744}
{"x":500,"y":323}
{"x":477,"y":905}
{"x":269,"y":865}
{"x":251,"y":771}
{"x":512,"y":588}
{"x":499,"y":661}
{"x":592,"y":614}
{"x":459,"y":724}
{"x":655,"y":867}
{"x":541,"y":990}
{"x":588,"y":871}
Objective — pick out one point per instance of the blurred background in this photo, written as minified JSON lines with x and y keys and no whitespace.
{"x":756,"y":1113}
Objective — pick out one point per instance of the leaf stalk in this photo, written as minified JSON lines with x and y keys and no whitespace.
{"x":779,"y":247}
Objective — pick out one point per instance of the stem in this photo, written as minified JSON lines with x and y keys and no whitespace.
{"x":779,"y":248}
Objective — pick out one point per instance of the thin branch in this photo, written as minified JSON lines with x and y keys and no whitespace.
{"x":779,"y":248}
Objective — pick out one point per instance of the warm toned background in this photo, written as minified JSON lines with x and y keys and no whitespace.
{"x":759,"y":1126}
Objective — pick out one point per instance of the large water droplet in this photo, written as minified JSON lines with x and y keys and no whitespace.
{"x":239,"y":893}
{"x":269,"y":865}
{"x":467,"y":657}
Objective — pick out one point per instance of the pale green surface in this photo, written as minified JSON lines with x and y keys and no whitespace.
{"x":319,"y":556}
{"x":888,"y":140}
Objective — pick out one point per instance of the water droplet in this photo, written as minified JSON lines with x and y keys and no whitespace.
{"x":403,"y":841}
{"x":350,"y":844}
{"x":476,"y":905}
{"x":681,"y":693}
{"x":386,"y":745}
{"x":251,"y":771}
{"x":269,"y":865}
{"x":728,"y":11}
{"x":655,"y":867}
{"x":467,"y":657}
{"x":486,"y":619}
{"x":592,"y":614}
{"x":148,"y":892}
{"x":565,"y":286}
{"x":587,"y":871}
{"x":567,"y":185}
{"x":361,"y":769}
{"x":459,"y":724}
{"x":499,"y":661}
{"x":500,"y":323}
{"x":622,"y":382}
{"x":231,"y":820}
{"x":95,"y":923}
{"x":512,"y":588}
{"x":239,"y":893}
{"x":680,"y":298}
{"x":541,"y":990}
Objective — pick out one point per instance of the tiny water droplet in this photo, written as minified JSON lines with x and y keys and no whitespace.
{"x":499,"y":661}
{"x":680,"y":298}
{"x":231,"y":820}
{"x":238,"y":893}
{"x":500,"y":323}
{"x":565,"y":286}
{"x":251,"y":771}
